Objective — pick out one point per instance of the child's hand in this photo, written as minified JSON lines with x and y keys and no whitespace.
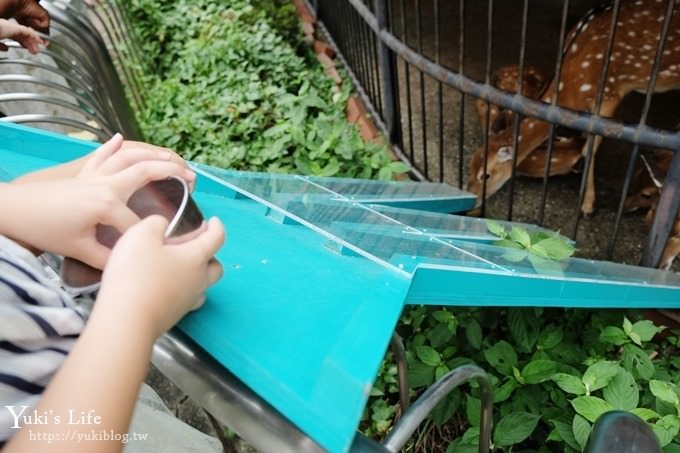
{"x":60,"y":215}
{"x":25,"y":36}
{"x":158,"y":280}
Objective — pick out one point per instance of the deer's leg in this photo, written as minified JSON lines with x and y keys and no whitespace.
{"x":588,"y":204}
{"x":671,"y":250}
{"x":607,"y":110}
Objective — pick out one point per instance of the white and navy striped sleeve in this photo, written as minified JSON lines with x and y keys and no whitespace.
{"x":39,"y":323}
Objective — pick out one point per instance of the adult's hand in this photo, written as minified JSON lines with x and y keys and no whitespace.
{"x":26,"y":12}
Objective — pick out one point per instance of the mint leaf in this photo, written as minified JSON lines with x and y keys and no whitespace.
{"x":496,"y":229}
{"x":520,"y":236}
{"x":554,"y":247}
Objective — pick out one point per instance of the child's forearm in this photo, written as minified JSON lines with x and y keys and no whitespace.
{"x":97,"y":387}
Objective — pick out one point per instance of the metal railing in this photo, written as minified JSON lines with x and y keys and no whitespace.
{"x":419,"y":65}
{"x":87,"y":80}
{"x":72,"y":84}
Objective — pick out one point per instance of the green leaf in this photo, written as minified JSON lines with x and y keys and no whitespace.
{"x":461,"y":446}
{"x":503,"y":392}
{"x":440,"y":372}
{"x":471,"y":436}
{"x":473,"y":408}
{"x":591,"y":407}
{"x":637,"y":362}
{"x":520,"y":236}
{"x":473,"y":333}
{"x":514,"y":428}
{"x":581,"y":429}
{"x":566,"y":432}
{"x":420,"y":375}
{"x":538,"y":371}
{"x":664,"y":391}
{"x":627,"y":326}
{"x":671,"y":448}
{"x":645,"y":414}
{"x":550,"y":337}
{"x":613,"y":335}
{"x":599,"y":374}
{"x":428,"y":356}
{"x":554,"y":248}
{"x":501,"y":356}
{"x":666,"y":428}
{"x":445,"y":409}
{"x":496,"y":229}
{"x":442,"y":315}
{"x":622,"y":391}
{"x":524,"y":327}
{"x":646,"y":330}
{"x":570,"y":384}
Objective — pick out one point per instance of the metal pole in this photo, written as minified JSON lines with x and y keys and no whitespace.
{"x":386,"y":63}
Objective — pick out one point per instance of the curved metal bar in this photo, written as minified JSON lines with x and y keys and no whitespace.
{"x":40,"y":118}
{"x":89,"y":64}
{"x":53,"y":100}
{"x":116,"y":35}
{"x":53,"y":85}
{"x":402,"y":370}
{"x":225,"y":397}
{"x":95,"y":48}
{"x":64,"y":66}
{"x":424,"y":405}
{"x":572,"y":119}
{"x":54,"y":70}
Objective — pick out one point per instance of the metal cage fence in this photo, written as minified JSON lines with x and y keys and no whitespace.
{"x":73,"y":85}
{"x":420,"y":65}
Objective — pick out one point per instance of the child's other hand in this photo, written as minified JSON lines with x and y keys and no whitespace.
{"x":25,"y":36}
{"x":158,"y":280}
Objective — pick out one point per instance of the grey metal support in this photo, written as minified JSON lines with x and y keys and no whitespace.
{"x":95,"y":48}
{"x":387,"y":74}
{"x":402,"y":372}
{"x":424,"y":405}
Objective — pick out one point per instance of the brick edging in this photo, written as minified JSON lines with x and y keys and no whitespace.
{"x":355,"y":110}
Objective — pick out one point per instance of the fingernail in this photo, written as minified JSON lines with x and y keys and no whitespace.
{"x":115,"y":136}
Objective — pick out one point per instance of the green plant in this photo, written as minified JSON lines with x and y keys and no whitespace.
{"x":554,"y":371}
{"x":231,"y":85}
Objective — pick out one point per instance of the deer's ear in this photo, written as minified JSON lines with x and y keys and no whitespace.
{"x":505,"y":153}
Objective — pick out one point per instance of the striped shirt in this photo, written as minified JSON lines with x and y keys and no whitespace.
{"x":39,"y":324}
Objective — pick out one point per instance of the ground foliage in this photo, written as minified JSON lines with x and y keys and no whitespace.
{"x":231,"y":83}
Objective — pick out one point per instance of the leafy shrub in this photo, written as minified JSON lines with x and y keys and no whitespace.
{"x":554,"y":371}
{"x":230,"y":85}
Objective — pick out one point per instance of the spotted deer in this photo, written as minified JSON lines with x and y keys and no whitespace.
{"x":566,"y":152}
{"x":644,"y":194}
{"x":636,"y":37}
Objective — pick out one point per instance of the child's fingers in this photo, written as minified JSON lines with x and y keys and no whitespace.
{"x":142,"y":173}
{"x":126,"y":157}
{"x":121,"y":217}
{"x":211,"y":240}
{"x":101,"y":154}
